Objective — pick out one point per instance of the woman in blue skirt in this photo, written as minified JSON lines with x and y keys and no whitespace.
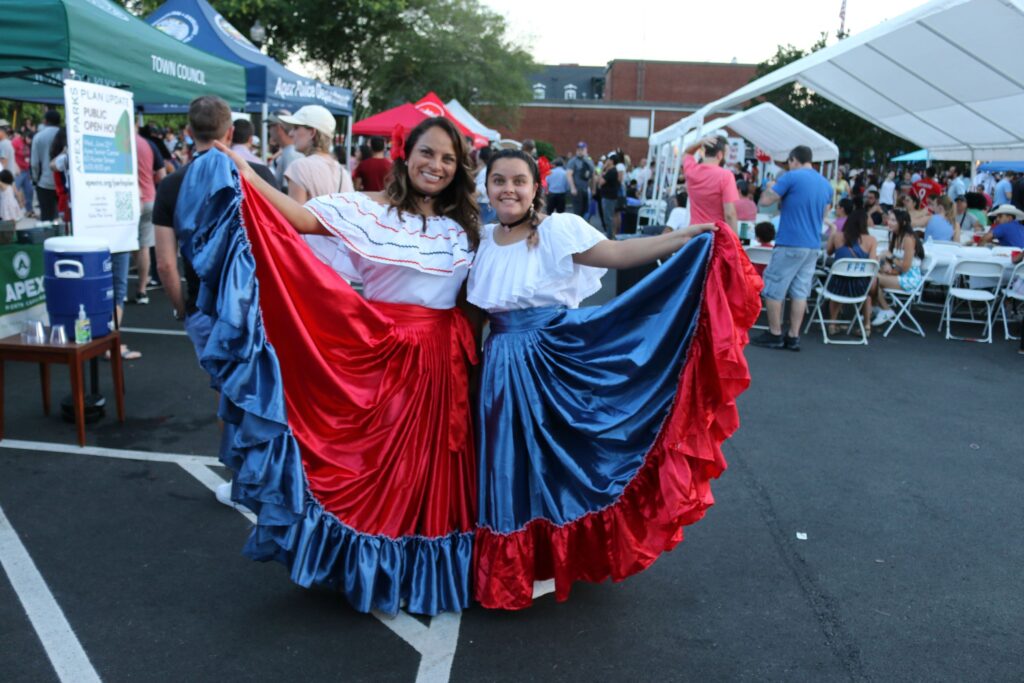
{"x":600,"y":427}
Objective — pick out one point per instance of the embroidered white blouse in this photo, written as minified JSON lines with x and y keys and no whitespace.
{"x":517,"y":276}
{"x":391,"y":254}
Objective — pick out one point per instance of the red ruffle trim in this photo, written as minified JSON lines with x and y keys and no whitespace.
{"x":672,"y":488}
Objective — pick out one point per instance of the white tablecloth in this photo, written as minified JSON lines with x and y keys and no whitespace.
{"x":946,"y":256}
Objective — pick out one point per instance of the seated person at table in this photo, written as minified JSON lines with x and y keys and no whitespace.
{"x":853,"y":242}
{"x":1006,"y":227}
{"x":912,"y":205}
{"x":764,"y":232}
{"x":942,"y":225}
{"x":965,"y":220}
{"x":977,"y":205}
{"x":901,"y":268}
{"x":843,"y":210}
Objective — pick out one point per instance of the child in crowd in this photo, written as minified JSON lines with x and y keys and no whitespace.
{"x":765,"y":234}
{"x":12,"y":204}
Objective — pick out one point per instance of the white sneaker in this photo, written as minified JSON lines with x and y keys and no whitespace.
{"x":223,"y":494}
{"x":883,"y":315}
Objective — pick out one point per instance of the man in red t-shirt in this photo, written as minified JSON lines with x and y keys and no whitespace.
{"x":711,"y":189}
{"x":371,"y":173}
{"x":150,"y":172}
{"x":927,"y":186}
{"x":23,"y":179}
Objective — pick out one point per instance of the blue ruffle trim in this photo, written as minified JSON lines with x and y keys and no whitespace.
{"x":423,"y":575}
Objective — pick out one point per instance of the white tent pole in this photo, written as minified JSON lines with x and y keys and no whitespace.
{"x":264,"y":142}
{"x":348,"y":138}
{"x":974,"y":168}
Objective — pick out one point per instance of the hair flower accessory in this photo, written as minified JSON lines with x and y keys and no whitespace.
{"x":398,"y":142}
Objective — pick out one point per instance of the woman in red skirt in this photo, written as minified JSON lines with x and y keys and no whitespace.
{"x":348,"y":423}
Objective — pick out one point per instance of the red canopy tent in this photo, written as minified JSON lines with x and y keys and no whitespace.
{"x":408,"y":116}
{"x":384,"y":123}
{"x":431,"y":105}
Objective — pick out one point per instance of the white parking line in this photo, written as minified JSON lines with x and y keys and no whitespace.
{"x":212,"y":480}
{"x":62,"y":647}
{"x":436,"y":643}
{"x":154,"y":330}
{"x":123,"y":454}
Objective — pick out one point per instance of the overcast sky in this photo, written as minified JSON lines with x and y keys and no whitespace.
{"x":594,"y":33}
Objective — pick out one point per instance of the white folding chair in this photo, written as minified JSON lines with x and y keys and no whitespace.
{"x":880,"y":234}
{"x":1013,"y":291}
{"x":971,"y":295}
{"x":903,"y":300}
{"x":761,"y":256}
{"x":859,"y":268}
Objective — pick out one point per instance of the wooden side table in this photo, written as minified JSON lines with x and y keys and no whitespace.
{"x":73,"y":355}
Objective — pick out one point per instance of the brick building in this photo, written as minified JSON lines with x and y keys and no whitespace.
{"x":614,"y":106}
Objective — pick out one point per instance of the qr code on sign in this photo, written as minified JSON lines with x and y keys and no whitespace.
{"x":122,"y":206}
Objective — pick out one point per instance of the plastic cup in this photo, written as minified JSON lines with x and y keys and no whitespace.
{"x":977,"y":239}
{"x":58,"y":335}
{"x":33,"y":332}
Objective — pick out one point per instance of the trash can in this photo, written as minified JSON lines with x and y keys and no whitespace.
{"x":79,"y":272}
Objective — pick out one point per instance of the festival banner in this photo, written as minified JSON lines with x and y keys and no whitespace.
{"x":102,"y":170}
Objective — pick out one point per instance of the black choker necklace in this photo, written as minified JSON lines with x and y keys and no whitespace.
{"x":526,"y":217}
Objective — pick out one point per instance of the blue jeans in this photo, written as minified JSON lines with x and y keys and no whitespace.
{"x":121,"y":261}
{"x":23,"y":182}
{"x":608,"y":215}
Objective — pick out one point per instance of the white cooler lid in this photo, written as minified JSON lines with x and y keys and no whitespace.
{"x":74,"y":244}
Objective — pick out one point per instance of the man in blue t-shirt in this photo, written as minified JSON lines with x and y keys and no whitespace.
{"x":805,"y":197}
{"x":1006,"y":227}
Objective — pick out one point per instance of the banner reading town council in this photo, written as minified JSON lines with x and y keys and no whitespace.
{"x":101,"y":158}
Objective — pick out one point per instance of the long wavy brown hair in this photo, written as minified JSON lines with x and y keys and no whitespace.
{"x":456,"y":201}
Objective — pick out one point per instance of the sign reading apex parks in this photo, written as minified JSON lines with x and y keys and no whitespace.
{"x":21,"y":268}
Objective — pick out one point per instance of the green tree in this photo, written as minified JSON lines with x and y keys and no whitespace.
{"x":859,"y":142}
{"x":391,"y":51}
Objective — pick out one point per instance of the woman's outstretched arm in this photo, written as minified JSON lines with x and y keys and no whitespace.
{"x":303,"y":221}
{"x":640,"y":250}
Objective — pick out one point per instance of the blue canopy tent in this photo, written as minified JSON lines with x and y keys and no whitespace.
{"x":1002,"y":167}
{"x":919,"y":155}
{"x":268,"y":84}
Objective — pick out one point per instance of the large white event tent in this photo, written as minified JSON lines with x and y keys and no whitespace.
{"x":765,"y":126}
{"x":944,"y":76}
{"x":470,"y":121}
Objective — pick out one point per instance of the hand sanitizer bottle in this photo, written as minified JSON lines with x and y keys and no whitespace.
{"x":83,"y":329}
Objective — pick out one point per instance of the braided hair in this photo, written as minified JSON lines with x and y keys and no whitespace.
{"x":537,"y":205}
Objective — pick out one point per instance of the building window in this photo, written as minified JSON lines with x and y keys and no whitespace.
{"x":570,"y":91}
{"x":639,"y":127}
{"x":539,"y":91}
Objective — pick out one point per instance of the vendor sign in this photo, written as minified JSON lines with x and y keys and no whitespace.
{"x":21,"y":275}
{"x":101,"y":154}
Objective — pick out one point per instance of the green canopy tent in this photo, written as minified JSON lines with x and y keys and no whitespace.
{"x":98,"y":41}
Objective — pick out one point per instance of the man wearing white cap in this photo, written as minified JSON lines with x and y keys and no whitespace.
{"x":1006,"y":226}
{"x":317,"y":173}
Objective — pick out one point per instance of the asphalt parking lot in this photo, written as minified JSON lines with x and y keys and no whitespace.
{"x":868,"y":528}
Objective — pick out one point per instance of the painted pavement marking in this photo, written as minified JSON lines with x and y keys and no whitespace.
{"x":436,"y":643}
{"x":66,"y":655}
{"x":154,"y":330}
